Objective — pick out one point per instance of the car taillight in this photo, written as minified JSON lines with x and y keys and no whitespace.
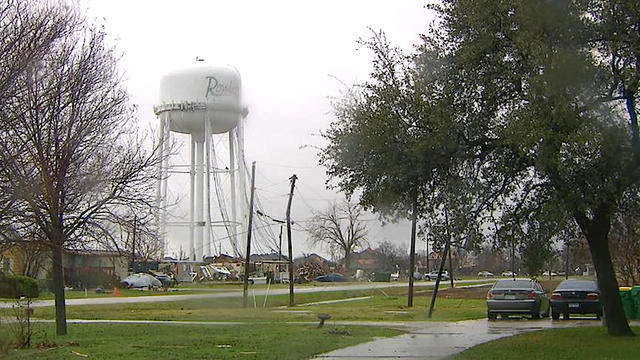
{"x":532,"y":295}
{"x":556,"y":296}
{"x":489,"y":295}
{"x":593,"y":296}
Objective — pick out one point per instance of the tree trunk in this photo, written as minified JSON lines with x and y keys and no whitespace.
{"x":58,"y":290}
{"x":596,"y":231}
{"x":347,"y":259}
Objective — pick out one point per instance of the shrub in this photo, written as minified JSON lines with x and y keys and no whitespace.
{"x":18,"y":286}
{"x":26,"y":286}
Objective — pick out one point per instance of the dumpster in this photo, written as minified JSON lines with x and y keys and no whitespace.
{"x":627,"y":303}
{"x":382,"y":276}
{"x":635,"y":294}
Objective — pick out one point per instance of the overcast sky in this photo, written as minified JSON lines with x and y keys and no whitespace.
{"x":293,"y":56}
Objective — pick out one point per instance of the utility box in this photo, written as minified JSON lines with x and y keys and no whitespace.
{"x":635,"y":295}
{"x":382,"y":277}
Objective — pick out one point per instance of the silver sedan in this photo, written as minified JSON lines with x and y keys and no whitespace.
{"x":517,"y":296}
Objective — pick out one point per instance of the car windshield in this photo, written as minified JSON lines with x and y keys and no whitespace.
{"x":513,"y":284}
{"x":578,"y":285}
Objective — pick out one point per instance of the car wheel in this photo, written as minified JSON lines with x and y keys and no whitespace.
{"x":555,"y":315}
{"x":250,"y":282}
{"x":535,"y":315}
{"x":491,"y":316}
{"x":565,"y":316}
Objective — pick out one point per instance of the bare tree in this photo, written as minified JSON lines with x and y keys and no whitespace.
{"x":138,"y":235}
{"x":72,"y":162}
{"x":339,"y":227}
{"x":624,"y":241}
{"x":389,"y":255}
{"x":29,"y":30}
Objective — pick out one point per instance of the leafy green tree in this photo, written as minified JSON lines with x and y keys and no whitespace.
{"x":549,"y":88}
{"x":536,"y":253}
{"x":389,"y":142}
{"x":511,"y":113}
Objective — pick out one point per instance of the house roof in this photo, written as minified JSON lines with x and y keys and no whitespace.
{"x":311,"y":257}
{"x":366,"y":253}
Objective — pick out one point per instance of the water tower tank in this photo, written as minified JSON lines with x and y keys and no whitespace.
{"x":193,"y":94}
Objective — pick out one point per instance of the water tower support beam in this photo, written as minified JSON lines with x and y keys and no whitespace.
{"x":207,"y":142}
{"x":192,"y":190}
{"x":161,"y":181}
{"x":165,"y":177}
{"x":232,"y":181}
{"x":242,"y":186}
{"x":199,"y":197}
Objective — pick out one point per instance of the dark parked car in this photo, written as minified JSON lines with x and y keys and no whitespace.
{"x":331,"y":278}
{"x":517,"y":296}
{"x":575,"y":297}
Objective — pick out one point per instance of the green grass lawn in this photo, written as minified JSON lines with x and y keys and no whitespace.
{"x":389,"y":305}
{"x":559,"y":344}
{"x":257,"y":341}
{"x":81,"y":294}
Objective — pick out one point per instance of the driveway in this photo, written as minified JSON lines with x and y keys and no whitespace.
{"x":438,"y":340}
{"x":230,"y":294}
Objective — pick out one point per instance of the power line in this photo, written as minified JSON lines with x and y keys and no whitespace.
{"x":291,"y":166}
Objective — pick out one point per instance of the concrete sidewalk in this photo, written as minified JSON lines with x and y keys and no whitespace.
{"x":438,"y":340}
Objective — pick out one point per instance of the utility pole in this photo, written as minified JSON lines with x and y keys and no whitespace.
{"x":427,"y":238}
{"x":280,"y":252}
{"x":248,"y":254}
{"x":435,"y":287}
{"x":448,"y":246}
{"x":291,"y":279}
{"x":412,"y":252}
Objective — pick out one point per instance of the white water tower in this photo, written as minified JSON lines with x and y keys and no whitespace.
{"x":202,"y":101}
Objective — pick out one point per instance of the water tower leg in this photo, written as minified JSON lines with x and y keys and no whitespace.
{"x":159,"y":172}
{"x":207,"y":142}
{"x":242,"y":186}
{"x":199,"y":198}
{"x":232,"y":186}
{"x":165,"y":179}
{"x":192,"y":190}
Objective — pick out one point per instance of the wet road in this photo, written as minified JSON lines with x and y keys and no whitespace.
{"x":438,"y":340}
{"x":231,"y":294}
